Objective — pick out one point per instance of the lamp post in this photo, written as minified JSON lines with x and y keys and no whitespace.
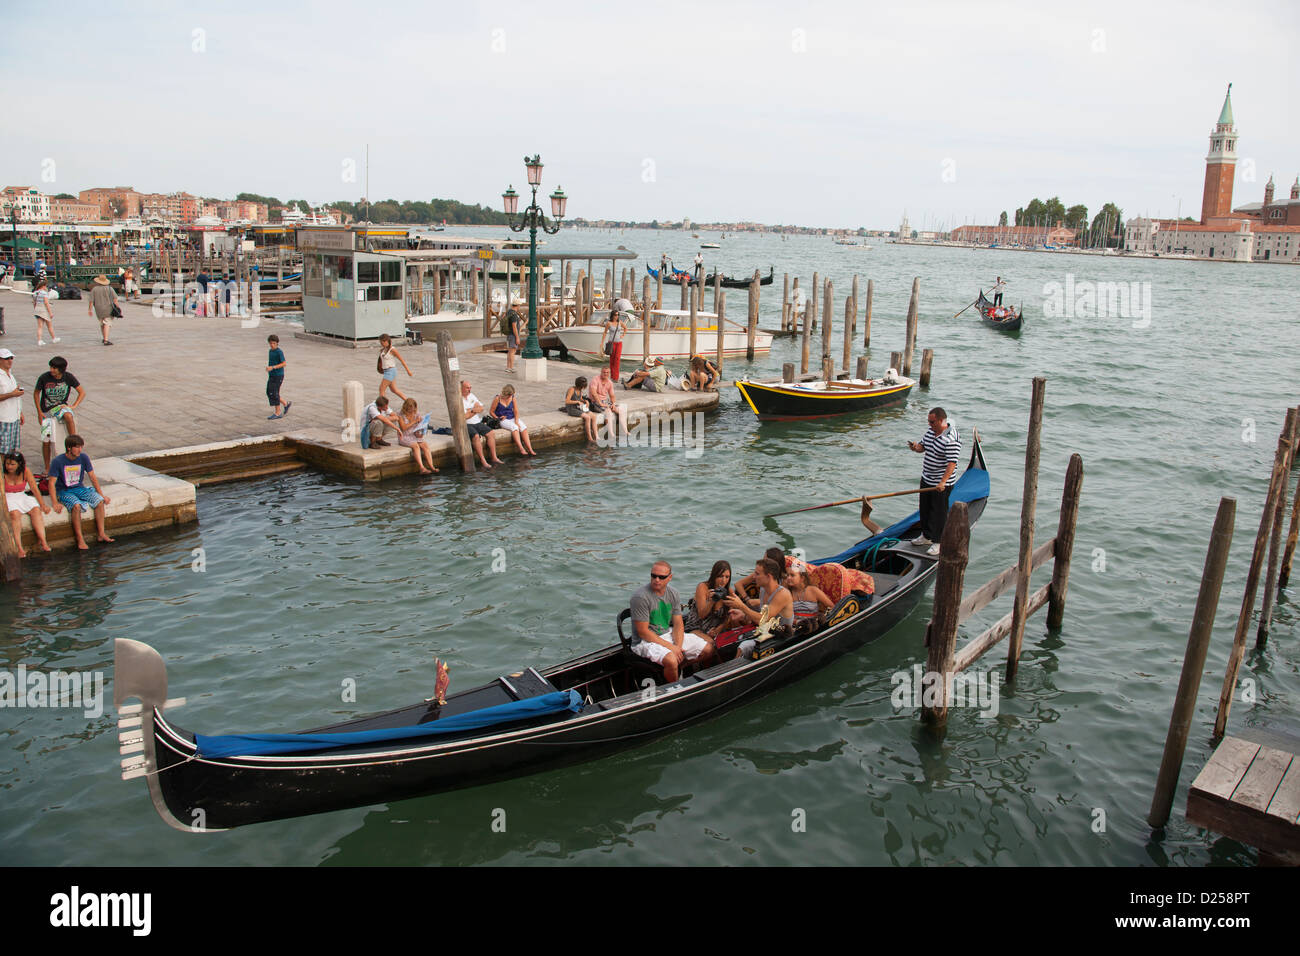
{"x":532,"y":219}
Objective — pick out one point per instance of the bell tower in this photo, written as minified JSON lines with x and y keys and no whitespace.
{"x":1220,"y":164}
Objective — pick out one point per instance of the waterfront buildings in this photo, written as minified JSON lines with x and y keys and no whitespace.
{"x":1267,"y":231}
{"x":26,"y":203}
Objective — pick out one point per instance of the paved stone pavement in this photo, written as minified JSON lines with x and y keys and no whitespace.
{"x":174,"y":382}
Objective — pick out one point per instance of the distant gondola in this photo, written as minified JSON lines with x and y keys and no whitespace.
{"x":730,"y":283}
{"x":797,"y":401}
{"x":1008,"y":322}
{"x":595,"y":704}
{"x":674,"y":277}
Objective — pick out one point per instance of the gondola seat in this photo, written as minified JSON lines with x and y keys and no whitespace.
{"x":640,"y":666}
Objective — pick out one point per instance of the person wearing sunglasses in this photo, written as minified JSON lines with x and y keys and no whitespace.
{"x":658,"y":629}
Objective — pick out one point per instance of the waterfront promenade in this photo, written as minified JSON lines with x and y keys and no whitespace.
{"x":177,"y":382}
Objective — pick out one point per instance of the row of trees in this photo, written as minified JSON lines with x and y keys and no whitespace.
{"x":421,"y":212}
{"x":1107,"y":227}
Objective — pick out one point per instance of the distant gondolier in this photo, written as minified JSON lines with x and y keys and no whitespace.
{"x":997,"y":290}
{"x":663,"y":267}
{"x":941,"y":446}
{"x":699,"y":266}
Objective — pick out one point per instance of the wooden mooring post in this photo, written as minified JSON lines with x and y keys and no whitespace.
{"x":1189,"y":682}
{"x":449,"y":366}
{"x":751,"y":329}
{"x":950,"y":609}
{"x":927,"y":359}
{"x":828,"y":305}
{"x":722,"y":327}
{"x":809,"y":308}
{"x":695,"y":306}
{"x":1275,"y":544}
{"x":1276,"y":481}
{"x":862,"y":368}
{"x":11,"y":566}
{"x":812,"y":303}
{"x":1028,"y":505}
{"x":785,"y":302}
{"x":896,"y":361}
{"x":848,"y":333}
{"x":866,"y":322}
{"x":646,"y":306}
{"x":912,"y":309}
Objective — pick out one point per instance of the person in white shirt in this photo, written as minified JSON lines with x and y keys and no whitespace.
{"x":11,"y":404}
{"x":997,"y":290}
{"x":476,"y":427}
{"x":699,"y":266}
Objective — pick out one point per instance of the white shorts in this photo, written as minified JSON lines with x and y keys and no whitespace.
{"x":693,"y":646}
{"x":513,"y":425}
{"x":19,"y":501}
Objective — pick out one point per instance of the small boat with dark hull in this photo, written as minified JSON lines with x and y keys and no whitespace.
{"x":999,"y":317}
{"x":795,"y":401}
{"x":596,"y":704}
{"x":729,"y":283}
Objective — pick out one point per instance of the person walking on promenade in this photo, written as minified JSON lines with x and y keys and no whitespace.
{"x":103,"y":300}
{"x":387,"y":366}
{"x":997,"y":290}
{"x":941,"y":446}
{"x":512,"y":327}
{"x":130,"y":288}
{"x":41,"y":300}
{"x":275,"y":364}
{"x":612,"y":339}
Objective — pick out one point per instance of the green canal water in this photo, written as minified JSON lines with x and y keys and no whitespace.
{"x":311,"y":582}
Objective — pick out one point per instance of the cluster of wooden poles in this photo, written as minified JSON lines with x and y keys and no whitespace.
{"x":943,"y":660}
{"x":1268,"y":538}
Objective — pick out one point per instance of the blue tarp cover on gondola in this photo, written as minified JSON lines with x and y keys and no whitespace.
{"x":254,"y":745}
{"x":971,"y":486}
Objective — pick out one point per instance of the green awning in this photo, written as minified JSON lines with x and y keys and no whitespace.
{"x":23,"y":243}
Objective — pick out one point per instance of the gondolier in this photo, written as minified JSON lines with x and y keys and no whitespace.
{"x":941,"y":446}
{"x":997,"y":290}
{"x":699,"y":265}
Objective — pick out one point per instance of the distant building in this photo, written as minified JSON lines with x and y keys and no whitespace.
{"x":172,"y":207}
{"x":1261,"y":232}
{"x":27,"y":203}
{"x":1026,"y":236}
{"x":73,"y":210}
{"x":127,"y":197}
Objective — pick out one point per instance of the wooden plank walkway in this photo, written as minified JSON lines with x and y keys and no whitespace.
{"x":1251,"y":792}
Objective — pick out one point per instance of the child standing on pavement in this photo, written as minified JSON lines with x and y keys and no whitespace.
{"x":275,"y":363}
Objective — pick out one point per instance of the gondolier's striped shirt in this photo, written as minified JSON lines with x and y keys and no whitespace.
{"x":939,"y":451}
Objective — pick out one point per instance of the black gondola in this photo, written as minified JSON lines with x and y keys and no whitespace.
{"x":730,"y":283}
{"x":675,"y":277}
{"x":520,"y":723}
{"x":988,"y":313}
{"x":797,"y":401}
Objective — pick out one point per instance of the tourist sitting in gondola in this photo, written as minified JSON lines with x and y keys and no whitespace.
{"x":809,"y":600}
{"x":773,"y":601}
{"x":707,"y":610}
{"x":657,"y":625}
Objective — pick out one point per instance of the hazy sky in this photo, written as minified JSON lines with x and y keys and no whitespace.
{"x":831,"y":114}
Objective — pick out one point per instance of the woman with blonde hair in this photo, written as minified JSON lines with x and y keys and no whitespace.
{"x":809,"y":600}
{"x":505,"y":407}
{"x":413,"y":427}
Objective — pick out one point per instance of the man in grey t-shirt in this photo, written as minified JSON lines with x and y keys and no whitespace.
{"x":102,"y":300}
{"x":657,"y":625}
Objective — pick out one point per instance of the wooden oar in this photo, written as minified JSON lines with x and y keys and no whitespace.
{"x":866,"y":506}
{"x":967,"y":307}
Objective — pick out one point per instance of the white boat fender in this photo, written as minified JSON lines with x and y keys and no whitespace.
{"x":891,"y":376}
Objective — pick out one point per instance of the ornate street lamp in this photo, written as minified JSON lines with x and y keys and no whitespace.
{"x":532,"y":219}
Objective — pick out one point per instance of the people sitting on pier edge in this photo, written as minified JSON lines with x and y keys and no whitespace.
{"x":576,"y":405}
{"x":702,"y":377}
{"x":505,"y":408}
{"x":376,"y":422}
{"x":413,"y":428}
{"x":941,"y":445}
{"x":477,"y":428}
{"x":657,"y":624}
{"x":600,"y":401}
{"x":70,"y":471}
{"x":997,"y":290}
{"x":51,"y":397}
{"x":652,"y":376}
{"x":809,"y":600}
{"x":23,"y":497}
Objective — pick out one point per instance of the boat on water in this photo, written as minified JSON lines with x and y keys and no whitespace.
{"x":1000,"y":317}
{"x":676,"y":276}
{"x":670,"y":338}
{"x":710,"y":245}
{"x":730,"y":283}
{"x":779,"y":401}
{"x":530,"y":720}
